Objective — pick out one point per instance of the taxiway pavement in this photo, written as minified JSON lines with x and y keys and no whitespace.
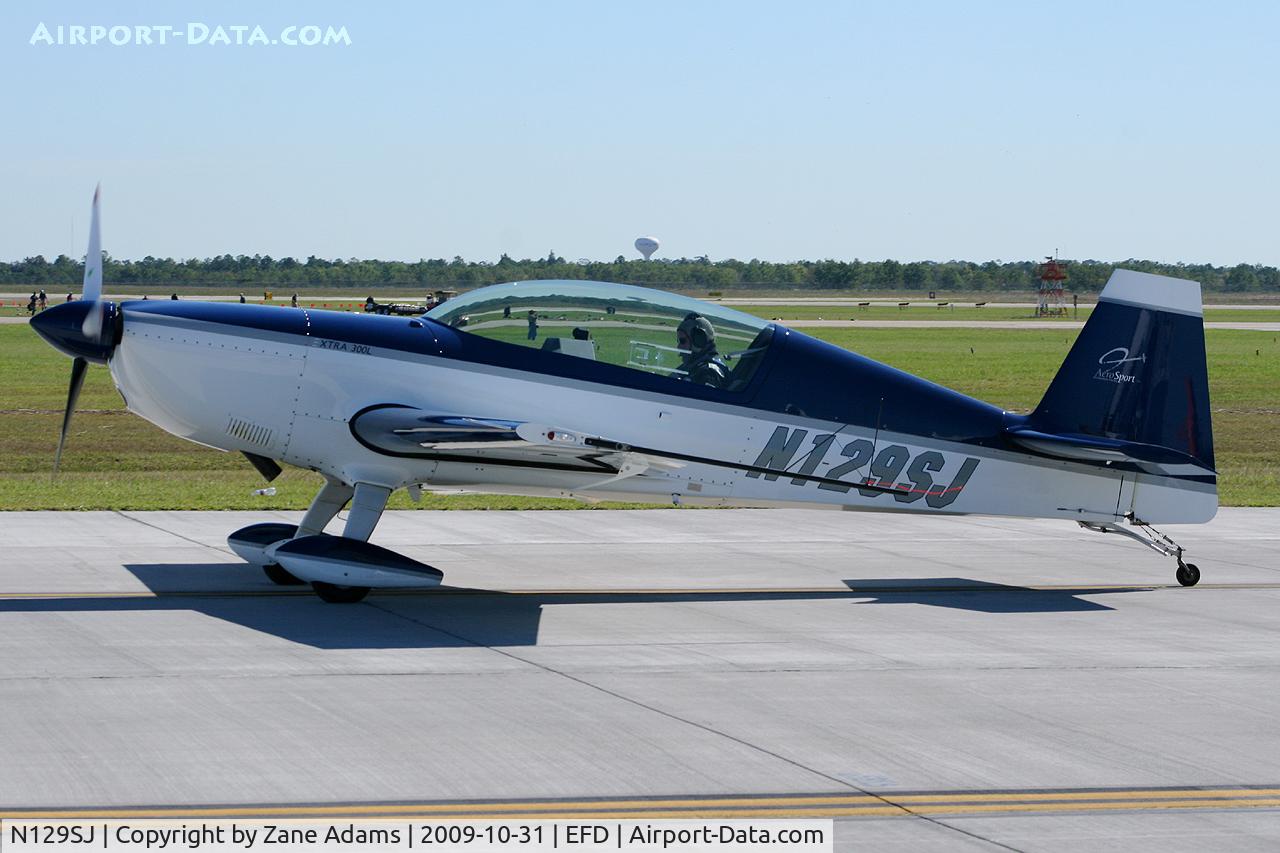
{"x":967,"y":683}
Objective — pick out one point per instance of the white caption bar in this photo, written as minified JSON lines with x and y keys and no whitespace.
{"x":443,"y":836}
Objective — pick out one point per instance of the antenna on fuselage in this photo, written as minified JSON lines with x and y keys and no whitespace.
{"x":875,"y":438}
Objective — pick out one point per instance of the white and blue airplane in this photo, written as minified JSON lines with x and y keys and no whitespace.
{"x":595,"y":390}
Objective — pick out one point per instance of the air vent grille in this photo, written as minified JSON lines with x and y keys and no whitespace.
{"x":249,"y":432}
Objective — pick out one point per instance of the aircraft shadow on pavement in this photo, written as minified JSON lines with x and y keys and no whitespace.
{"x":452,"y":617}
{"x":981,"y":596}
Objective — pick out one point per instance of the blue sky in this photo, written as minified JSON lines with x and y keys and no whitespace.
{"x":974,"y":130}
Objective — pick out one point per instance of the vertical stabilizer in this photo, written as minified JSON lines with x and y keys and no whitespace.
{"x":1137,"y":375}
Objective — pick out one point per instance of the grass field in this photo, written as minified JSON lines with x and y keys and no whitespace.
{"x":917,"y":310}
{"x":115,"y":460}
{"x":968,"y":313}
{"x":394,"y":292}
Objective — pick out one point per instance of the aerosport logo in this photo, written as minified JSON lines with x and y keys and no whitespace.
{"x":1111,"y":366}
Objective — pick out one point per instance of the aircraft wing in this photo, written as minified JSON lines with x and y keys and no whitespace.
{"x":399,"y":430}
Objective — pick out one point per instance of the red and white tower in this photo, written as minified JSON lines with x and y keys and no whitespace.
{"x":1050,"y":298}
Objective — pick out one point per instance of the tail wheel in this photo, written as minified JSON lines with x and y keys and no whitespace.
{"x":334,"y":594}
{"x":1188,"y":574}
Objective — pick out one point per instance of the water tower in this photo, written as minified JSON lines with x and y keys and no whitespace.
{"x":646,"y":246}
{"x":1049,"y":301}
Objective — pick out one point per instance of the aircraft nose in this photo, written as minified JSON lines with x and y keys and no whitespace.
{"x":62,"y":326}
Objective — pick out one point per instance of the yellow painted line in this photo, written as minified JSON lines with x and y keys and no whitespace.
{"x":875,"y":811}
{"x":1134,"y":805}
{"x":660,"y":814}
{"x":870,"y":811}
{"x":849,"y":805}
{"x":1136,"y":793}
{"x":835,"y":811}
{"x":470,"y":808}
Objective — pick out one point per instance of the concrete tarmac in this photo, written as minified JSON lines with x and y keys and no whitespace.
{"x":946,"y":683}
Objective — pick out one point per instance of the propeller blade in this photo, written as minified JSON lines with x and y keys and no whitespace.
{"x":93,"y":273}
{"x":78,"y":368}
{"x":93,"y":260}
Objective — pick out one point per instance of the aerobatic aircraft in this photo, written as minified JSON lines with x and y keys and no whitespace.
{"x":598,"y":390}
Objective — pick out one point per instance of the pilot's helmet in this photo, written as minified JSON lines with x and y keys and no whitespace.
{"x":695,"y":333}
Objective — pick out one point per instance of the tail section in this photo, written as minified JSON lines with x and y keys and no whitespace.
{"x":1133,"y":392}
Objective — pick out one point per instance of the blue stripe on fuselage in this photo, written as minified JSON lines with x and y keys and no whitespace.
{"x":799,"y":377}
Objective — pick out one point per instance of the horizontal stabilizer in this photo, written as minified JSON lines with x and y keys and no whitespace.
{"x":1152,"y":458}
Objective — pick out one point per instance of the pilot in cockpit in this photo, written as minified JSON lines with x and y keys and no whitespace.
{"x":696,"y":338}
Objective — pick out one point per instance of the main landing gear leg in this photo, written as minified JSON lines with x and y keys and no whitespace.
{"x":332,"y":497}
{"x":367,"y":503}
{"x":366,"y":511}
{"x":1188,"y":574}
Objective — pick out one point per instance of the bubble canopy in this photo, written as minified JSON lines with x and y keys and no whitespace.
{"x":617,"y":324}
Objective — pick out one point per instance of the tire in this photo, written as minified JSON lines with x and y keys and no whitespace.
{"x":334,"y":594}
{"x":1188,"y":574}
{"x":279,"y":575}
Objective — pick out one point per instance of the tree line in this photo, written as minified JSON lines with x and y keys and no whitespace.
{"x":258,"y":272}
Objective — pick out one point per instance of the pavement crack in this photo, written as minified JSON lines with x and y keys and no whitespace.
{"x":133,"y":518}
{"x":907,"y":811}
{"x":975,"y":836}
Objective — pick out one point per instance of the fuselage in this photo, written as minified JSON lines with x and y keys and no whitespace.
{"x":814,"y":423}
